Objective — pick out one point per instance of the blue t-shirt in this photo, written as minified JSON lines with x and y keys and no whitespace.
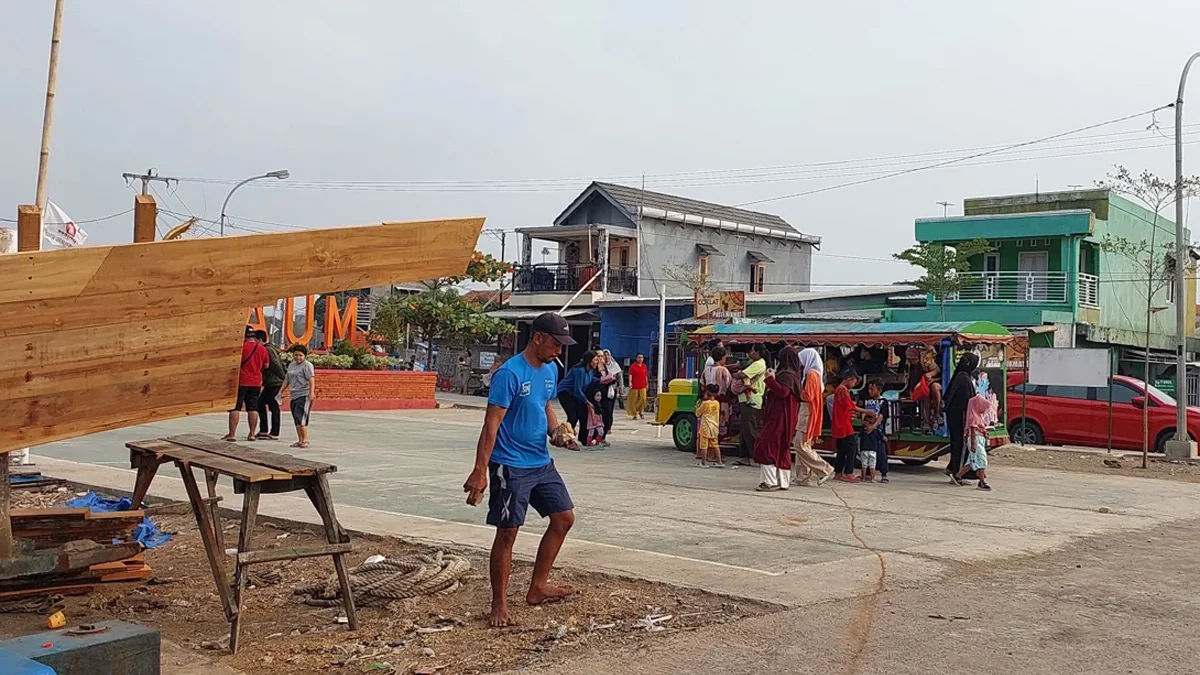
{"x":524,"y":391}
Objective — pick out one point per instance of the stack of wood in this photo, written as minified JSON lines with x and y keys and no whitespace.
{"x":69,"y":550}
{"x":29,"y":477}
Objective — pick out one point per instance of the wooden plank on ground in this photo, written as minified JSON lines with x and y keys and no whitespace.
{"x":275,"y":460}
{"x":104,"y":337}
{"x":70,"y":589}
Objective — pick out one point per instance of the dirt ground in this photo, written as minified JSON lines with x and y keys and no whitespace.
{"x":1120,"y":463}
{"x":281,"y":635}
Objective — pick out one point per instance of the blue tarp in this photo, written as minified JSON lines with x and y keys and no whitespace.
{"x":146,"y":532}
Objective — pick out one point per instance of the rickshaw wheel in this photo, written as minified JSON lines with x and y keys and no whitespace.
{"x":683,"y":432}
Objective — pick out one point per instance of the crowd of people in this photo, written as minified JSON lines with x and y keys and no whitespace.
{"x":782,"y":408}
{"x":265,"y":379}
{"x":591,"y":389}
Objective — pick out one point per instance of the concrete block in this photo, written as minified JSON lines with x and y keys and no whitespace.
{"x":122,"y":649}
{"x":1180,"y":449}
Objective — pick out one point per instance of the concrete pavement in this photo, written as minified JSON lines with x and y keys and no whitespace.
{"x":644,"y":511}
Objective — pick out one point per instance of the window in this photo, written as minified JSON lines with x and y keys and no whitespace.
{"x":702,"y":264}
{"x":1169,"y":273}
{"x":1057,"y":391}
{"x":1122,"y":393}
{"x":1028,"y":389}
{"x":758,"y":276}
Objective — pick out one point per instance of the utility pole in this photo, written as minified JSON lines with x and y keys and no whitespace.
{"x":945,"y":207}
{"x":147,"y":177}
{"x":48,"y":113}
{"x":1182,"y":445}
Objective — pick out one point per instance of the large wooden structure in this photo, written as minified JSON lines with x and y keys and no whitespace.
{"x":102,"y":337}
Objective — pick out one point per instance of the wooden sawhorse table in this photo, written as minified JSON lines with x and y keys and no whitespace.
{"x":254,"y":472}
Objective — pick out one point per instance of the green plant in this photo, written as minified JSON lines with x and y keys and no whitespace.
{"x":331,"y":361}
{"x":946,"y":267}
{"x":482,"y":268}
{"x":370,"y":362}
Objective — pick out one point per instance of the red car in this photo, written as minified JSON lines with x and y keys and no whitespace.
{"x":1064,"y":415}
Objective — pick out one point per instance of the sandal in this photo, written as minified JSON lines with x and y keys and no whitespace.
{"x":763,"y":487}
{"x":229,"y":438}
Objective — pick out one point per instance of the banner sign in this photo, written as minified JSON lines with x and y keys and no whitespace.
{"x":719,"y":304}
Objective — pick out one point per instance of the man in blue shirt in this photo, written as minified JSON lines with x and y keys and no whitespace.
{"x":512,"y":452}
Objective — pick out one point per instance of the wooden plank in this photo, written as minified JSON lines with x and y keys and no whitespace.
{"x":245,"y":540}
{"x":251,"y":473}
{"x":334,"y":533}
{"x":216,"y":558}
{"x":103,"y":337}
{"x":275,"y":460}
{"x":273,"y":555}
{"x":69,"y":589}
{"x":145,"y":213}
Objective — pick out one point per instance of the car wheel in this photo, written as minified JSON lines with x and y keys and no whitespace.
{"x":1025,"y":432}
{"x":1160,"y":443}
{"x":683,"y":432}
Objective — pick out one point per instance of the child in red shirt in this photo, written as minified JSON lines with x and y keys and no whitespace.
{"x":845,"y":439}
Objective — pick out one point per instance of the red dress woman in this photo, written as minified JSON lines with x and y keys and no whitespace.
{"x":781,"y":411}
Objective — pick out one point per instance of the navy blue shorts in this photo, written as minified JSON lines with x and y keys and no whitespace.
{"x":513,"y":491}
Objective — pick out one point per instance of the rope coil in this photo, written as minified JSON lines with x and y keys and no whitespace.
{"x":379,"y":583}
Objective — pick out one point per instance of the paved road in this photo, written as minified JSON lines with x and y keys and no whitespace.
{"x":643,"y":510}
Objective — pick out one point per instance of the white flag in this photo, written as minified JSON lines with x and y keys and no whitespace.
{"x":58,"y":229}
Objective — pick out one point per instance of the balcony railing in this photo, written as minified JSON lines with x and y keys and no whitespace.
{"x":1089,"y":290}
{"x":569,"y":277}
{"x":1014,"y":287}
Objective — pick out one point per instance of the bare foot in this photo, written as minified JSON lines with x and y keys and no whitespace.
{"x":228,"y":438}
{"x":548,"y":593}
{"x":500,"y":616}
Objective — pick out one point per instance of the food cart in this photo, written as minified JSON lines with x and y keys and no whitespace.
{"x":885,"y":352}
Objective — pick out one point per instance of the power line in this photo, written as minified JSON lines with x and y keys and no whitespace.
{"x":543,"y":184}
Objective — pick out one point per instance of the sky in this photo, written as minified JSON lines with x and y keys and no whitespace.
{"x":706,"y":99}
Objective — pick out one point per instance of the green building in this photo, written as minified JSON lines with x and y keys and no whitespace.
{"x":1049,"y":268}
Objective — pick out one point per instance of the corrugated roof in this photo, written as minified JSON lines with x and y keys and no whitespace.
{"x":631,"y":198}
{"x":889,"y":328}
{"x":853,"y":292}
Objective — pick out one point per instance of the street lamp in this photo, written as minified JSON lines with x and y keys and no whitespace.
{"x":280,"y":174}
{"x":1181,"y":258}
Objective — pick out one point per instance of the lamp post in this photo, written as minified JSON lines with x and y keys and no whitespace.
{"x":1181,"y":259}
{"x":281,"y":175}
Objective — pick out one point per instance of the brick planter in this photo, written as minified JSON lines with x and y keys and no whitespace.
{"x":374,"y":390}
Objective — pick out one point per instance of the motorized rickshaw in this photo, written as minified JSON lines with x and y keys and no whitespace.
{"x":889,"y":353}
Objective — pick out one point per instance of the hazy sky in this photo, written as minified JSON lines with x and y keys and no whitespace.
{"x":389,"y":92}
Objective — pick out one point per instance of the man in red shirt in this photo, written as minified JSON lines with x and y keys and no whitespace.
{"x":845,"y":440}
{"x":254,"y":360}
{"x":635,"y":404}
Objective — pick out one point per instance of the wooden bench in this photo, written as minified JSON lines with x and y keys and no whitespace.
{"x":254,"y":472}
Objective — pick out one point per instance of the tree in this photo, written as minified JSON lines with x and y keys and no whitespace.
{"x":947,"y":268}
{"x":1150,"y":261}
{"x":482,"y":269}
{"x":437,"y":314}
{"x":688,"y":276}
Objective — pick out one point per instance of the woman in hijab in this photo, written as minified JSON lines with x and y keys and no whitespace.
{"x":808,"y":422}
{"x":958,"y":394}
{"x":610,"y":374}
{"x":979,"y":413}
{"x":773,"y":447}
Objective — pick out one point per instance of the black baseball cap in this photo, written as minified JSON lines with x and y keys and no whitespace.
{"x":555,"y":326}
